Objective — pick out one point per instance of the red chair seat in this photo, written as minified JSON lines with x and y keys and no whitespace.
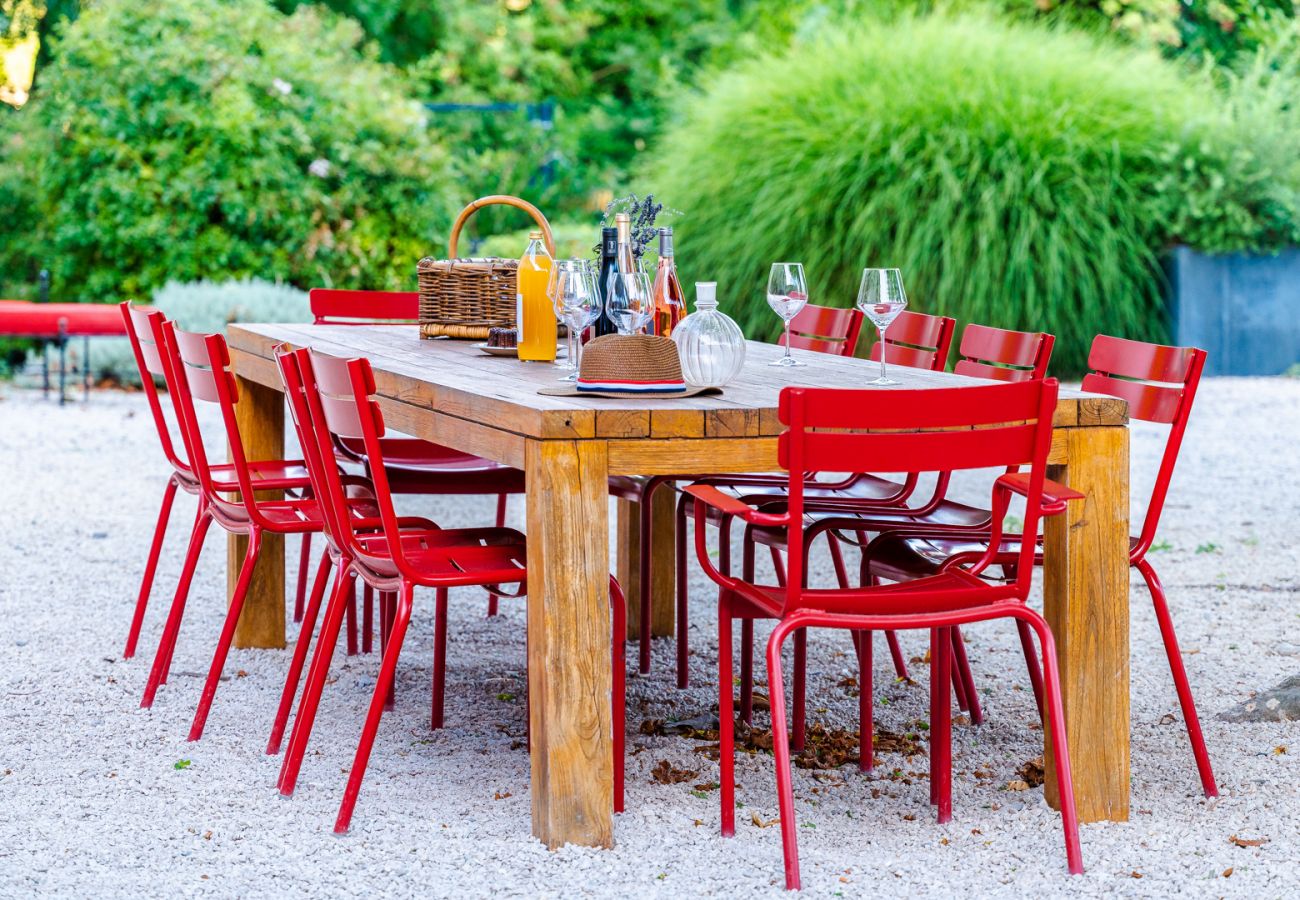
{"x":472,"y":553}
{"x":19,"y":317}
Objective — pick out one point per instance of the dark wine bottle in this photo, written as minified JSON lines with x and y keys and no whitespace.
{"x":608,"y":267}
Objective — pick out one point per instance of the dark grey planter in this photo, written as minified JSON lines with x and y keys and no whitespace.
{"x":1243,"y":310}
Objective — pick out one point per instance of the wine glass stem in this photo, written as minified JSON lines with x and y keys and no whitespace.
{"x":787,"y":338}
{"x":570,"y":332}
{"x":884,"y":350}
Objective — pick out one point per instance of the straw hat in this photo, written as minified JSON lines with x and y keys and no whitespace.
{"x":629,"y":365}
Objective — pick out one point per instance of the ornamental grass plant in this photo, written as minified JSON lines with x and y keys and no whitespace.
{"x":1020,"y":175}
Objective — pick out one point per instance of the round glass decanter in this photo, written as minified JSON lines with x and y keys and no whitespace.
{"x":711,"y":346}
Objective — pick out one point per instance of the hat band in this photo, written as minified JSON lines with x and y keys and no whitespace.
{"x":632,"y":386}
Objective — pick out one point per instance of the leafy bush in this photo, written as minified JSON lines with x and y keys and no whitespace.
{"x":220,"y":138}
{"x":1020,"y":176}
{"x":205,"y":307}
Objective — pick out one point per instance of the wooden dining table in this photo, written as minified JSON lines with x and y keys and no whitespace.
{"x":451,"y":393}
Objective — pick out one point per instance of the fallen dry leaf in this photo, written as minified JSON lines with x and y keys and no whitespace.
{"x":699,"y":822}
{"x":241,"y":674}
{"x":1227,"y":873}
{"x":665,"y":773}
{"x":207,"y":835}
{"x":1017,"y":785}
{"x":1247,"y":842}
{"x":1278,"y":751}
{"x":944,"y":841}
{"x":501,"y":796}
{"x":1135,"y":874}
{"x":759,"y":821}
{"x":1032,"y":772}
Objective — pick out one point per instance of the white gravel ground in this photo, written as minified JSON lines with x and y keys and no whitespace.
{"x":92,"y":802}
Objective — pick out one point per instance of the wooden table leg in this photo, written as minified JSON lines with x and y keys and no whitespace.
{"x":1086,"y":598}
{"x":261,"y":427}
{"x":662,"y":563}
{"x":569,"y":643}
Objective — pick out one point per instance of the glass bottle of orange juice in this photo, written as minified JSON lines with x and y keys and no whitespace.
{"x":536,"y":315}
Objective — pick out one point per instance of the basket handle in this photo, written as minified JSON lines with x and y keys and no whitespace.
{"x":501,"y":200}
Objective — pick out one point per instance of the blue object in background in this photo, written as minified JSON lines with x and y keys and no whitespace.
{"x":1243,"y":310}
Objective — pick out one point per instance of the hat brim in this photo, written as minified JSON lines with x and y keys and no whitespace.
{"x":571,"y":390}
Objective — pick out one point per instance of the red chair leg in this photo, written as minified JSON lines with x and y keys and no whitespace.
{"x":199,"y":513}
{"x":781,"y":750}
{"x":941,"y":723}
{"x":800,"y":689}
{"x":377,"y":701}
{"x":726,"y":720}
{"x":896,"y":654}
{"x":618,"y":686}
{"x":321,"y":658}
{"x":294,"y":675}
{"x":747,"y":671}
{"x":352,"y":620}
{"x":1031,"y":663}
{"x":866,"y":712}
{"x":439,"y":657}
{"x":304,"y":564}
{"x":367,"y":618}
{"x":227,"y":634}
{"x":1181,"y":684}
{"x":959,"y":689}
{"x":501,"y":523}
{"x":961,"y":669}
{"x":1060,"y":744}
{"x":645,"y":513}
{"x":683,"y":657}
{"x":150,"y":567}
{"x":163,"y":656}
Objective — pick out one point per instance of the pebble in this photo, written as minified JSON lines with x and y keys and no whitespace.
{"x":94,"y":794}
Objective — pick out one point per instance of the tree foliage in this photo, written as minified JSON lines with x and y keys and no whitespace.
{"x":207,"y":138}
{"x":1020,"y":176}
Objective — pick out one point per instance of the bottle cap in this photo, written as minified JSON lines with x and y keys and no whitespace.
{"x":706,"y":293}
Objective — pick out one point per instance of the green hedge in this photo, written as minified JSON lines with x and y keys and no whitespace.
{"x":1021,"y":176}
{"x":196,"y":138}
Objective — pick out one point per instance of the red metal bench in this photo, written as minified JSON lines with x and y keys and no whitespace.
{"x":56,"y":323}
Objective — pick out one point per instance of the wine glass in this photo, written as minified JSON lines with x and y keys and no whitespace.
{"x":787,"y":293}
{"x":881,"y":299}
{"x":573,"y":294}
{"x":631,"y":302}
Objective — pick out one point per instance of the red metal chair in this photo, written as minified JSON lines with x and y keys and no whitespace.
{"x":1159,"y":383}
{"x":197,"y":367}
{"x":414,"y":466}
{"x":1003,"y":425}
{"x":340,"y":404}
{"x":986,"y":353}
{"x":290,"y":474}
{"x":922,"y":340}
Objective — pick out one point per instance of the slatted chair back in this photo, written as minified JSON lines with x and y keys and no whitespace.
{"x":140,"y":332}
{"x":1003,"y":354}
{"x":330,"y":306}
{"x":825,"y":329}
{"x":950,"y":429}
{"x":1159,"y":383}
{"x":918,"y":340}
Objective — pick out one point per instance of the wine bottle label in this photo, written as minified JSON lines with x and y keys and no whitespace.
{"x":519,"y":311}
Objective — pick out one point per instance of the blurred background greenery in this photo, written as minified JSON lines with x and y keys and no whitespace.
{"x":1026,"y":162}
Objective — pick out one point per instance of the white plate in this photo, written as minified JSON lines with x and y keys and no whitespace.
{"x":512,"y":351}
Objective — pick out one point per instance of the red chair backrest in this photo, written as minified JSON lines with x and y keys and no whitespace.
{"x":198,"y":368}
{"x":919,"y":430}
{"x":1159,"y":383}
{"x":919,"y":340}
{"x":141,"y":331}
{"x":825,"y":329}
{"x":337,"y":307}
{"x":1003,"y":354}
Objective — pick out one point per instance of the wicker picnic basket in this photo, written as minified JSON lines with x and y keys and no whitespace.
{"x":463,"y":298}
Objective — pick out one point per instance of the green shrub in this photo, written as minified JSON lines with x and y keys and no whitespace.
{"x":221,"y":139}
{"x":1020,"y":176}
{"x":205,"y":307}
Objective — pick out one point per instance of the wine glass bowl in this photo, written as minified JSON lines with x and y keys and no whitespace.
{"x":787,"y":294}
{"x":881,"y":298}
{"x":632,"y":305}
{"x":573,"y":293}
